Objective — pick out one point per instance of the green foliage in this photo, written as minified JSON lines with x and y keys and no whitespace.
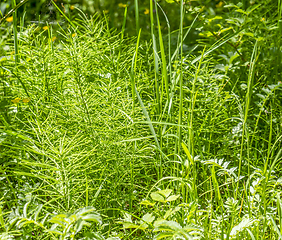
{"x":187,"y":124}
{"x":163,"y":221}
{"x":65,"y":226}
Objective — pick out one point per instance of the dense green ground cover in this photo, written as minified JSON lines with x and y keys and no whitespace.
{"x":109,"y":137}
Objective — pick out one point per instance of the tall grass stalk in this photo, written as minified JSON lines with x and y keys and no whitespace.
{"x":156,"y":59}
{"x":163,"y":60}
{"x":15,"y":31}
{"x":246,"y":112}
{"x":137,"y":16}
{"x":133,"y":91}
{"x":122,"y":32}
{"x":168,"y":45}
{"x":191,"y":130}
{"x":16,"y":44}
{"x":133,"y":70}
{"x":179,"y":133}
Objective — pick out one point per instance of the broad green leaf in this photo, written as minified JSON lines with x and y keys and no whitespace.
{"x":164,"y":225}
{"x":245,"y":223}
{"x":172,"y":198}
{"x":130,"y":225}
{"x":148,"y":217}
{"x":157,"y":197}
{"x":93,"y":218}
{"x":165,"y":192}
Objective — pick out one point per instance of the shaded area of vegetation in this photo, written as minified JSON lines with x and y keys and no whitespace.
{"x":107,"y":136}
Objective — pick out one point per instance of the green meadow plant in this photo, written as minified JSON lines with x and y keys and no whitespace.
{"x":108,"y":137}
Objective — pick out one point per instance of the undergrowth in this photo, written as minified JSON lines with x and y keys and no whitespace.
{"x":106,"y":137}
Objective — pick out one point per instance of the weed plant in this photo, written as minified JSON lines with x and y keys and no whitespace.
{"x":107,"y":137}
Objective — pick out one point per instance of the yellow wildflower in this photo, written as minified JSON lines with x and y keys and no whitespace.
{"x":9,"y":19}
{"x":45,"y":27}
{"x":26,"y":100}
{"x":122,"y":5}
{"x":219,"y":5}
{"x":73,"y":35}
{"x":54,"y":38}
{"x":71,"y":7}
{"x":263,"y":19}
{"x":147,"y":11}
{"x":16,"y":100}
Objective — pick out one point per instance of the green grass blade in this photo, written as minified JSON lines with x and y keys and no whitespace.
{"x":133,"y":69}
{"x":15,"y":7}
{"x":163,"y":58}
{"x":146,"y":114}
{"x":137,"y":16}
{"x":247,"y":105}
{"x":64,"y":15}
{"x":156,"y":57}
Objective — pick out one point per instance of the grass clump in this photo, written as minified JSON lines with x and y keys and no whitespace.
{"x":106,"y":137}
